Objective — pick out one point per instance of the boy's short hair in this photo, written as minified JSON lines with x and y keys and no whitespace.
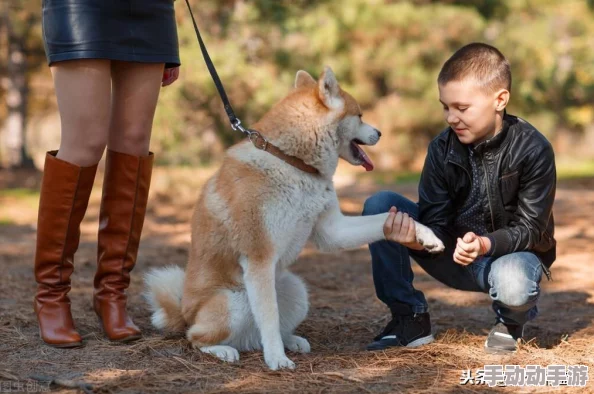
{"x":479,"y":61}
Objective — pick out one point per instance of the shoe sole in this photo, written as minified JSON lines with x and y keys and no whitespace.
{"x":66,"y":345}
{"x":130,"y":338}
{"x":417,"y":342}
{"x":421,"y":341}
{"x":494,"y":350}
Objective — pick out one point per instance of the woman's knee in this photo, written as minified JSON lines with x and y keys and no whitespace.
{"x":134,"y":139}
{"x":83,"y":150}
{"x":382,"y":201}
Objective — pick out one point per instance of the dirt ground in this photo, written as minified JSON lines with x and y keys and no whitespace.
{"x":344,"y":313}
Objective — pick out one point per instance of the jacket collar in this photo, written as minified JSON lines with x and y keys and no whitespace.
{"x":458,"y":152}
{"x":498,"y":140}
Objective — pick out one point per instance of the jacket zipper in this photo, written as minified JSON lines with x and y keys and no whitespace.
{"x":488,"y":194}
{"x":544,"y":268}
{"x":546,"y":271}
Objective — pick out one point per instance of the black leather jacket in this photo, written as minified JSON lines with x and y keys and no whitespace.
{"x":518,"y":188}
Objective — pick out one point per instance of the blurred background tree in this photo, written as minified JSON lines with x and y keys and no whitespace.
{"x":21,"y":47}
{"x":387,"y":53}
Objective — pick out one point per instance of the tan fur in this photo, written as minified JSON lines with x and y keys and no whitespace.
{"x":213,"y":260}
{"x":212,"y":321}
{"x":351,"y":107}
{"x":176,"y":322}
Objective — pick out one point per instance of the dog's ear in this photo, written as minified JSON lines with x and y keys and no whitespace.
{"x":303,"y":79}
{"x":329,"y":90}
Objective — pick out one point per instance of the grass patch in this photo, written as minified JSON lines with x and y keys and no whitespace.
{"x":386,"y":178}
{"x":19,"y":193}
{"x":13,"y":200}
{"x":6,"y":222}
{"x":569,"y":168}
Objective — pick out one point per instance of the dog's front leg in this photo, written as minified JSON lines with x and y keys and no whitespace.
{"x":259,"y":278}
{"x":335,"y":231}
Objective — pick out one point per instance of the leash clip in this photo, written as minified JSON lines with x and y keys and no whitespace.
{"x":257,"y":139}
{"x":236,"y":125}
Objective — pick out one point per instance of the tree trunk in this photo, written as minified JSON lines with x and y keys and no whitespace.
{"x":13,"y":151}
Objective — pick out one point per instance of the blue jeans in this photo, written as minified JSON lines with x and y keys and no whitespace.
{"x":512,"y":281}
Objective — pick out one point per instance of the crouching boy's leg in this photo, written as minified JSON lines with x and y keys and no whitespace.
{"x":393,"y":277}
{"x":512,"y":281}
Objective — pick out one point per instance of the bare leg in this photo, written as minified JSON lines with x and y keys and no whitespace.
{"x":136,"y":89}
{"x":83,"y":90}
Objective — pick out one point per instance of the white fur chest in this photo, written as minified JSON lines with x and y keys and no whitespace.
{"x":291,"y":216}
{"x":293,"y":204}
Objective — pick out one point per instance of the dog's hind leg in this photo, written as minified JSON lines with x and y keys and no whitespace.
{"x":212,"y":327}
{"x":222,"y":352}
{"x":293,"y":307}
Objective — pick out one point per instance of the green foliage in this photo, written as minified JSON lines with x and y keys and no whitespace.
{"x":386,"y":53}
{"x":570,"y":169}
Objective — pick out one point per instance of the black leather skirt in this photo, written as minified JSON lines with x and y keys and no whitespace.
{"x":127,"y":30}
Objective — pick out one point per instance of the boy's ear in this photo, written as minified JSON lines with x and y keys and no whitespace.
{"x":329,"y":91}
{"x":501,"y":99}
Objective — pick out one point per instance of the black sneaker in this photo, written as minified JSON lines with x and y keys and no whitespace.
{"x":503,"y":338}
{"x":404,"y":330}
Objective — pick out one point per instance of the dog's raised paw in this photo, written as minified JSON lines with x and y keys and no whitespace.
{"x":279,"y":362}
{"x":225,"y":353}
{"x":427,"y":238}
{"x":297,"y":344}
{"x":435,"y":247}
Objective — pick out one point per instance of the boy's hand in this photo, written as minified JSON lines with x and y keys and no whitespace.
{"x":399,"y":227}
{"x":469,"y":248}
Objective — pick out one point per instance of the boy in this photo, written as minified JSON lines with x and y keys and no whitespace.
{"x":487,"y":190}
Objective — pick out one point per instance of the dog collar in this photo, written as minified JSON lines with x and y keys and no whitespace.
{"x":263,"y":144}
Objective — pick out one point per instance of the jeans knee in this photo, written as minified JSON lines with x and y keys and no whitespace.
{"x":514,"y":280}
{"x":516,"y":293}
{"x":381,"y":202}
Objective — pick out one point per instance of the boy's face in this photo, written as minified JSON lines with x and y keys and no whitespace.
{"x":471,"y":111}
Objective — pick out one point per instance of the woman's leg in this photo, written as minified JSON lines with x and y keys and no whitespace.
{"x":126,"y":183}
{"x":83,"y":90}
{"x":136,"y":88}
{"x":67,"y":183}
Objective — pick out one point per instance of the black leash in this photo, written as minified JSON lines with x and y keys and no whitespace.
{"x":235,"y":122}
{"x":259,"y":141}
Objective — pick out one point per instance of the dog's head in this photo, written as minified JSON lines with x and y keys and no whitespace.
{"x":343,"y":117}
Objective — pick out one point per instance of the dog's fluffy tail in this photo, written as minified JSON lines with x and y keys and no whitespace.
{"x":164,"y":289}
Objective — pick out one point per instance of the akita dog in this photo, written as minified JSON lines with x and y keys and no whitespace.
{"x":254,"y":217}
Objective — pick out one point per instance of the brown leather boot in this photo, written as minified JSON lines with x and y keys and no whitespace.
{"x":123,"y":206}
{"x":63,"y":201}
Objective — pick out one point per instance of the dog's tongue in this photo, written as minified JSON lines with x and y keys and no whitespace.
{"x":366,"y":160}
